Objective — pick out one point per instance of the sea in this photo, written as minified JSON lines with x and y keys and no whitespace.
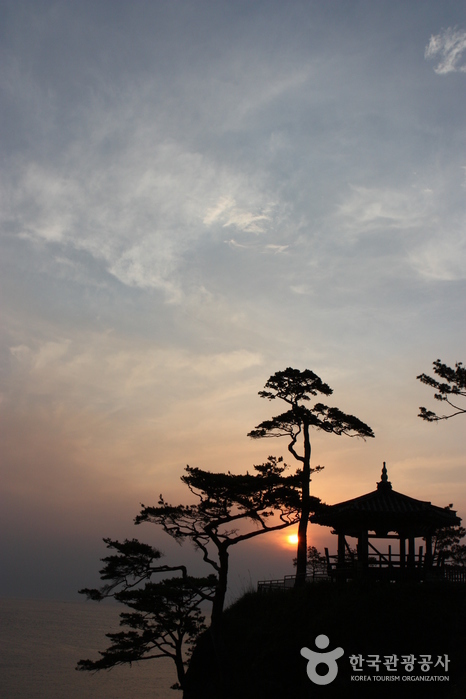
{"x":42,"y":640}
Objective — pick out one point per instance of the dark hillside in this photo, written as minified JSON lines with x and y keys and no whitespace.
{"x":265,"y":632}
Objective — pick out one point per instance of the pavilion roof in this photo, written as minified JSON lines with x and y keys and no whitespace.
{"x":385,"y":510}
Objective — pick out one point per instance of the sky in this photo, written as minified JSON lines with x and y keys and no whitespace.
{"x":195,"y":195}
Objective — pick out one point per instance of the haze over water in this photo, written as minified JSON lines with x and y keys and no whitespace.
{"x":41,"y":642}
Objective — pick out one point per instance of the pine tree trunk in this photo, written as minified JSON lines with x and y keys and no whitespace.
{"x":221,"y":589}
{"x":301,"y":556}
{"x":216,"y":624}
{"x":180,"y":669}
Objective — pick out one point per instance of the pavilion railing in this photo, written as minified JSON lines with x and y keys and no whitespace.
{"x":456,"y":574}
{"x":378,"y":559}
{"x":288,"y":581}
{"x":451,"y":573}
{"x":378,"y":565}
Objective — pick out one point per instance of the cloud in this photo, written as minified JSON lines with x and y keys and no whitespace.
{"x":48,"y":354}
{"x":118,"y":406}
{"x":140,"y":214}
{"x":259,"y":91}
{"x":368,"y":209}
{"x":443,"y":258}
{"x":420,"y":227}
{"x":449,"y":47}
{"x":101,"y":370}
{"x":232,"y":243}
{"x":273,"y":248}
{"x":301,"y":289}
{"x":229,"y":214}
{"x":277,"y":249}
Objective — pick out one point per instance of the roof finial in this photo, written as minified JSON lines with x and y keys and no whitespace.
{"x":384,"y":483}
{"x":384,"y":473}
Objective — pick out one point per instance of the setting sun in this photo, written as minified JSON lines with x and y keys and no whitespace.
{"x":293,"y":539}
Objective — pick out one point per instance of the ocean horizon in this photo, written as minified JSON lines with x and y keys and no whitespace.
{"x":41,"y":642}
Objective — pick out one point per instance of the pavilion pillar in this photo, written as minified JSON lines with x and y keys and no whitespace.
{"x":363,"y":552}
{"x":428,"y":556}
{"x":402,"y":552}
{"x":341,"y":549}
{"x":411,"y":552}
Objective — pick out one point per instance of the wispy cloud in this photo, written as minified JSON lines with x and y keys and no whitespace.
{"x":257,"y":247}
{"x":140,"y":214}
{"x":442,"y":258}
{"x":228,"y":213}
{"x":105,"y":374}
{"x":419,"y":229}
{"x":368,"y":209}
{"x":301,"y":289}
{"x":448,"y":46}
{"x":232,"y":243}
{"x":277,"y":249}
